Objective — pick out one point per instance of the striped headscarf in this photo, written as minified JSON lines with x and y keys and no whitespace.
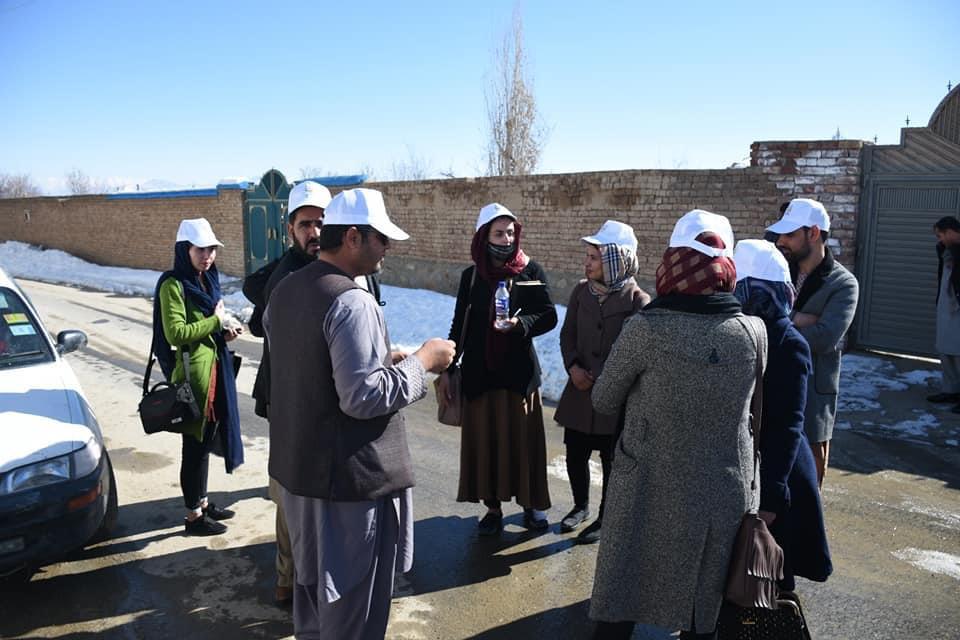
{"x":687,"y":271}
{"x":620,"y":265}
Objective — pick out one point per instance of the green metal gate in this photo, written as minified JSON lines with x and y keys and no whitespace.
{"x":265,"y":220}
{"x":906,"y":188}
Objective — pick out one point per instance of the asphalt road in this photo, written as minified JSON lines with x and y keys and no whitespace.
{"x":883,"y":498}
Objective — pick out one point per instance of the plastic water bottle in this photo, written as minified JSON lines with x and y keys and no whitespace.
{"x":501,"y":302}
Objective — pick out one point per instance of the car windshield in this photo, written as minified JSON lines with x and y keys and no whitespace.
{"x":21,"y":337}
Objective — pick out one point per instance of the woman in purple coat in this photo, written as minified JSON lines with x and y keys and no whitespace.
{"x":789,"y":498}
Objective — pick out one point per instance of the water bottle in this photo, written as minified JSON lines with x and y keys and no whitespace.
{"x":501,"y":304}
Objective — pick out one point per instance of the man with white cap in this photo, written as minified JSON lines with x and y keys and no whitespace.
{"x":305,"y":207}
{"x":338,"y":442}
{"x":826,"y":302}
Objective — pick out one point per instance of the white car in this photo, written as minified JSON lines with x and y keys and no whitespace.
{"x":57,"y":488}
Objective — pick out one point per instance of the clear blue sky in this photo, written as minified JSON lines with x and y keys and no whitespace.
{"x":194,"y":91}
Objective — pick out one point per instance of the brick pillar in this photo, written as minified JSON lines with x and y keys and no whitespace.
{"x":823,"y":170}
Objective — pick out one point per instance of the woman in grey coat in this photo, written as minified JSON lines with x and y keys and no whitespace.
{"x":685,"y":367}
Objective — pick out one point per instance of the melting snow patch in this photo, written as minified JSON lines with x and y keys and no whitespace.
{"x":558,"y":469}
{"x":863,"y":378}
{"x":952,"y":442}
{"x":933,"y":561}
{"x":919,"y":426}
{"x":920,"y":376}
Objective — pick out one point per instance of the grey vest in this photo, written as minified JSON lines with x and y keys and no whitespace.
{"x":316,"y":450}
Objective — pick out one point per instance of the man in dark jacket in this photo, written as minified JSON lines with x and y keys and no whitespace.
{"x":826,"y":302}
{"x":947,"y":230}
{"x":305,"y":218}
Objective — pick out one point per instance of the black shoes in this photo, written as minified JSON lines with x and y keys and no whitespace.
{"x":574,"y":519}
{"x":944,"y":397}
{"x":535,"y":520}
{"x":490,"y":524}
{"x":216,"y":513}
{"x":203,"y":526}
{"x":590,"y":535}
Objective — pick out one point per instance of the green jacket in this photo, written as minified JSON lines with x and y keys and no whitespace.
{"x":184,"y":324}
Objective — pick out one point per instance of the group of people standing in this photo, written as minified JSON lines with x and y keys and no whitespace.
{"x":660,"y":388}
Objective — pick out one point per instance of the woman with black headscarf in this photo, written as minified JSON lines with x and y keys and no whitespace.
{"x":189,"y":317}
{"x":789,"y":494}
{"x":502,"y":448}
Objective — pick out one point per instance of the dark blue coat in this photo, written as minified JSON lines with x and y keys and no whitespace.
{"x":788,"y":477}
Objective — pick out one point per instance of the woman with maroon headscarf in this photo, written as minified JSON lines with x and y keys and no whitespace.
{"x":502,"y":448}
{"x":685,"y":369}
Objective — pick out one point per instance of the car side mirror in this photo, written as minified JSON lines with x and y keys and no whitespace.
{"x":70,"y":340}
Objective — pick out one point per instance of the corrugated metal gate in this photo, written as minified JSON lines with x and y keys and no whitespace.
{"x":906,"y":188}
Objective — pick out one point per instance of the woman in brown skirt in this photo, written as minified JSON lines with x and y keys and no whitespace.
{"x":502,"y":448}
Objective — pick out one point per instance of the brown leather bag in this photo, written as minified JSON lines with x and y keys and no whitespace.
{"x":757,"y":560}
{"x":450,"y":412}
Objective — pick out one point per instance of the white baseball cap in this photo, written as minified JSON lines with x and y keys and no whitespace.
{"x":491,"y":212}
{"x":762,"y":260}
{"x":613,"y":232}
{"x":308,"y":193}
{"x":802,"y":212}
{"x":362,"y":206}
{"x":197,"y":232}
{"x":698,"y":221}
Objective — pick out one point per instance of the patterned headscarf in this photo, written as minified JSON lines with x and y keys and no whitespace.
{"x":620,"y":265}
{"x":765,"y":298}
{"x":687,"y":271}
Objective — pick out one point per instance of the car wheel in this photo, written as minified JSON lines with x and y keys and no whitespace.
{"x":110,"y":516}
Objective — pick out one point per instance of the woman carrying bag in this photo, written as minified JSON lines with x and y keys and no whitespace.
{"x":789,"y":497}
{"x":189,"y":316}
{"x":684,"y":371}
{"x":502,"y":447}
{"x":598,"y":307}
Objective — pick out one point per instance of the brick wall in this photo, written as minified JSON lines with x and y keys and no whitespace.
{"x":825,"y":170}
{"x":556,"y":211}
{"x":135,"y":232}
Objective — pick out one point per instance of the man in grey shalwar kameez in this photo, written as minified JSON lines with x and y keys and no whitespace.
{"x":338,"y":442}
{"x":947,"y":230}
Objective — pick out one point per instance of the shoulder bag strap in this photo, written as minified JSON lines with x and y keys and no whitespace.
{"x":466,"y":318}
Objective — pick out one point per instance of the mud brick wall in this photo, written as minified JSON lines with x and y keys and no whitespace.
{"x":128,"y":232}
{"x":555,"y":211}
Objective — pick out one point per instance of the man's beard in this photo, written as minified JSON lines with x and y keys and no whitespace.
{"x":313,"y":244}
{"x":798,"y":256}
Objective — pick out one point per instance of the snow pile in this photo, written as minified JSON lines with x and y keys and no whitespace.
{"x":932,"y":561}
{"x":862,"y":379}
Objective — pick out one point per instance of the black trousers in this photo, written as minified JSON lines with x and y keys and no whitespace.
{"x":580,"y":446}
{"x":194,"y":466}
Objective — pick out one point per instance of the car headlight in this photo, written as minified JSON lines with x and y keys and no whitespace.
{"x":78,"y":464}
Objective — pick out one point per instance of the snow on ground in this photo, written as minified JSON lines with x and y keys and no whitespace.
{"x":933,"y":561}
{"x":863,"y":379}
{"x":414,"y":315}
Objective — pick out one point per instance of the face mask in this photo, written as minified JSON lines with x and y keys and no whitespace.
{"x":500,"y":252}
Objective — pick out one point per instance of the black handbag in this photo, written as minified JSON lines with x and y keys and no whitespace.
{"x":786,"y":622}
{"x":168,"y":406}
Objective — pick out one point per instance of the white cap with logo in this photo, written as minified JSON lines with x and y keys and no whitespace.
{"x":491,"y":212}
{"x":698,"y":221}
{"x":761,"y":260}
{"x":362,"y":207}
{"x":307,"y":193}
{"x":197,"y":232}
{"x":802,"y":212}
{"x":613,"y":232}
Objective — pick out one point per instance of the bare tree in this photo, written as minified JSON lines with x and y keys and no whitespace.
{"x":78,"y":182}
{"x":516,"y":132}
{"x":310,"y":172}
{"x":414,"y":167}
{"x":18,"y":186}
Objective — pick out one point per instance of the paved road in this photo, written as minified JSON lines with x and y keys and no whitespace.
{"x":884,"y":497}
